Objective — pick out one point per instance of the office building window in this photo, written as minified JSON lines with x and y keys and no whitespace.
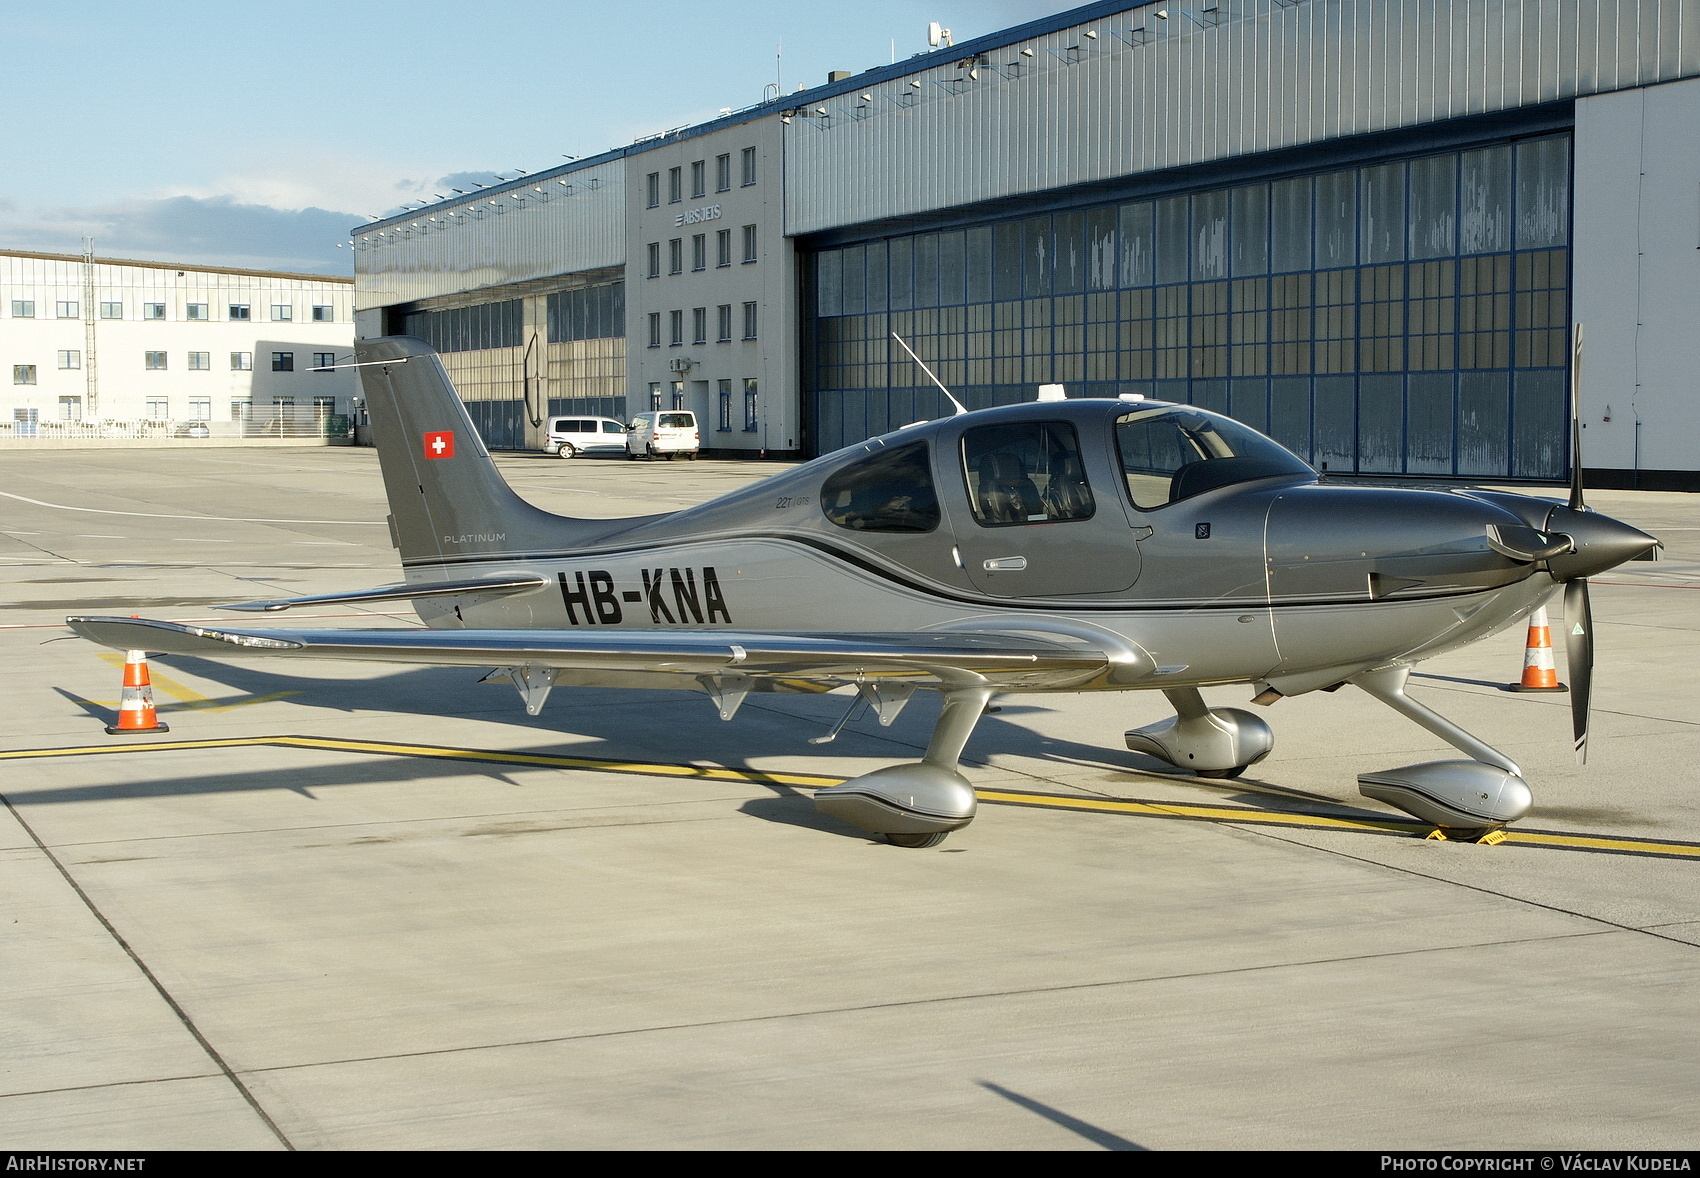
{"x":724,"y":315}
{"x":154,"y":362}
{"x":749,"y":321}
{"x":725,"y":422}
{"x":200,"y":409}
{"x":159,"y":409}
{"x":749,"y":243}
{"x":655,"y":259}
{"x":23,"y":308}
{"x":699,"y":325}
{"x":112,"y":310}
{"x":196,"y":311}
{"x":655,"y":329}
{"x":153,"y":310}
{"x":749,"y":164}
{"x":241,"y":410}
{"x":676,"y":256}
{"x":283,"y":361}
{"x":675,"y":185}
{"x":241,"y":361}
{"x":324,"y":361}
{"x":323,"y":314}
{"x":652,"y":187}
{"x":678,"y":388}
{"x":283,"y":406}
{"x":23,"y":374}
{"x":70,"y":408}
{"x":239,"y":311}
{"x":64,"y":310}
{"x":676,"y":324}
{"x":323,"y":407}
{"x":655,"y":394}
{"x":723,"y":247}
{"x":70,"y":359}
{"x":200,"y":361}
{"x":751,"y":412}
{"x":282,"y":312}
{"x":722,"y":173}
{"x":699,"y":251}
{"x":699,"y":179}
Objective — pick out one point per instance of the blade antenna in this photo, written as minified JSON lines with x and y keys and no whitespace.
{"x":960,"y":407}
{"x":1576,"y":503}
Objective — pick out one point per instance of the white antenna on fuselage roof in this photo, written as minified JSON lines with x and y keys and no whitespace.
{"x":960,"y":407}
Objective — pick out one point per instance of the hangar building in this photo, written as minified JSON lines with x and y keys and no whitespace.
{"x":1362,"y":226}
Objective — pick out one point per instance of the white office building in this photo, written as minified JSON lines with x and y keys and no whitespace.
{"x":108,"y":347}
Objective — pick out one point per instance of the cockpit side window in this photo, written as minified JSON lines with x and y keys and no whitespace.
{"x":888,"y":491}
{"x":1170,"y":453}
{"x":1026,"y":473}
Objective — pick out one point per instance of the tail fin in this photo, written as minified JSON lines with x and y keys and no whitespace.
{"x":448,"y":504}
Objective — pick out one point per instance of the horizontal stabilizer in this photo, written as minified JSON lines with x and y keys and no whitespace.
{"x":923,"y":659}
{"x":398,"y":593}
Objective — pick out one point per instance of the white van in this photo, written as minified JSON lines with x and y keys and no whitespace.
{"x":666,"y":433}
{"x":569,"y":436}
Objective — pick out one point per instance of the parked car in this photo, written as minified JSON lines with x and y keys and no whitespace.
{"x":194,"y":429}
{"x":663,"y":434}
{"x":571,"y":436}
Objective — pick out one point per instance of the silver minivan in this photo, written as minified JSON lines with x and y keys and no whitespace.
{"x":571,"y":436}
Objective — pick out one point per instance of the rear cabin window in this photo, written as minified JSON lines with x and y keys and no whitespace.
{"x":574,"y":427}
{"x":677,"y":421}
{"x":1026,"y":473}
{"x":888,"y":491}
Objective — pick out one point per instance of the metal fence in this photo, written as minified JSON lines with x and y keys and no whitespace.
{"x":281,"y":422}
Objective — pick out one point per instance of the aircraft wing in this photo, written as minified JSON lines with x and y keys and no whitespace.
{"x":920,"y":659}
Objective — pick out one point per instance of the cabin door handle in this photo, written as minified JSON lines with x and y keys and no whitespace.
{"x":1005,"y":564}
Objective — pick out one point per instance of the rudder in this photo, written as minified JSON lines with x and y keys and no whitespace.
{"x":448,"y":503}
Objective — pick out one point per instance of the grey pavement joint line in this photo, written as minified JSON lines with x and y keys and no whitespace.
{"x":159,"y":987}
{"x":977,"y":996}
{"x":1644,"y":930}
{"x":111,"y":1084}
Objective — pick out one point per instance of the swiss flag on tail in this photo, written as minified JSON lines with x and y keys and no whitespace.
{"x":440,"y":444}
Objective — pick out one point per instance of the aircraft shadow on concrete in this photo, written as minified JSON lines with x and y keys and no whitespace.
{"x":651,"y":725}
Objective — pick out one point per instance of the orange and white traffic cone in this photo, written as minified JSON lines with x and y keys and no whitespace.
{"x":135,"y":706}
{"x":1539,"y":674}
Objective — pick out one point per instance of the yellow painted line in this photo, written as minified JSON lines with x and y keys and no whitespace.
{"x":1153,"y":809}
{"x":1208,"y":813}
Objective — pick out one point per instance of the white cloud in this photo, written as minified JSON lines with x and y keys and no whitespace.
{"x":218,"y":231}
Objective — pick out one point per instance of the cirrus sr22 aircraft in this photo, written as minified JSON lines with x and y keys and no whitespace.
{"x":1055,"y":546}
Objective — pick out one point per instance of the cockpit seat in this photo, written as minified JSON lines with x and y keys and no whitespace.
{"x":1006,"y":494}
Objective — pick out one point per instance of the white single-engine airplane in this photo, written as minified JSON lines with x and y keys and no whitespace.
{"x":1079,"y":545}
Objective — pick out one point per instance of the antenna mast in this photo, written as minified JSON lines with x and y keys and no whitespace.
{"x":91,"y":384}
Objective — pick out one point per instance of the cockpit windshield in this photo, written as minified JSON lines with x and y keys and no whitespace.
{"x":1172,"y":452}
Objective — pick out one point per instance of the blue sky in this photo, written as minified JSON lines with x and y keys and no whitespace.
{"x":256,"y":135}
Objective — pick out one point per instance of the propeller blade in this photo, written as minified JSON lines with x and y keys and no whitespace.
{"x":1579,"y":659}
{"x":1576,"y":503}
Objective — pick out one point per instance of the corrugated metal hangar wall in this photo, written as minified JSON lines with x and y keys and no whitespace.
{"x":1351,"y":223}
